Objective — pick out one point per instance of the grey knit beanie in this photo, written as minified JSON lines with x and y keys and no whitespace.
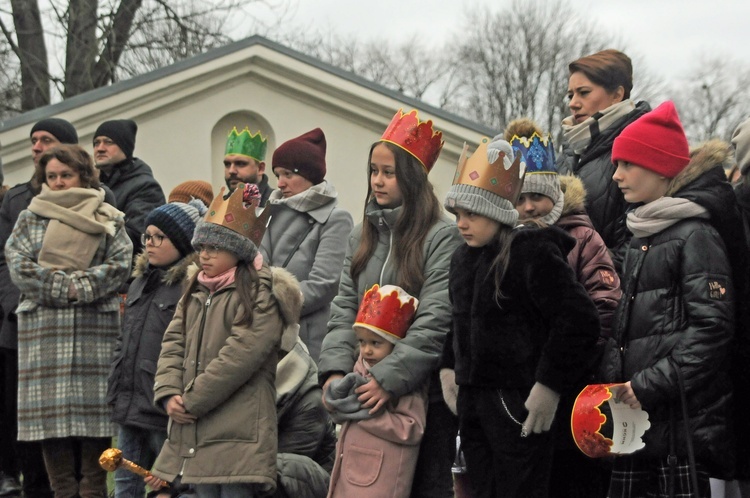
{"x":741,"y":142}
{"x":177,"y":220}
{"x":481,"y":201}
{"x":211,"y":234}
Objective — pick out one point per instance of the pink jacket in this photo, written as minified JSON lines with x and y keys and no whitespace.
{"x":377,"y":457}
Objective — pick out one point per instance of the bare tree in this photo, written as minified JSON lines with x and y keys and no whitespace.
{"x":103,"y":38}
{"x":714,"y":99}
{"x":409,"y":67}
{"x":514,"y":62}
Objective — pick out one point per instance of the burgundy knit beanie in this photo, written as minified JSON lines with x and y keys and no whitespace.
{"x":305,"y":155}
{"x":655,"y":141}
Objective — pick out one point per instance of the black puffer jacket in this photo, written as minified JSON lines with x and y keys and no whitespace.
{"x":150,"y":305}
{"x":604,"y":202}
{"x":677,"y":316}
{"x":545,"y":327}
{"x":137,"y":193}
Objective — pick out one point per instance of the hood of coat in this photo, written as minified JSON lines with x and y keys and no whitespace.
{"x":533,"y":235}
{"x":703,"y":159}
{"x":575,"y":195}
{"x":288,"y":295}
{"x":296,"y":374}
{"x":179,"y":272}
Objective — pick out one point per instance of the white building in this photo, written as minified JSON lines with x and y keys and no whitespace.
{"x":185,"y":111}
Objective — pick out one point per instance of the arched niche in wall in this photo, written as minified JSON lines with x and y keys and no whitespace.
{"x":220,"y":132}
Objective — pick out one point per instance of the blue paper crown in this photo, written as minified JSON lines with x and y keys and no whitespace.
{"x":537,"y":153}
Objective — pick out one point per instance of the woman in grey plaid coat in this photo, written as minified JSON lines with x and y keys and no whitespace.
{"x":68,"y":254}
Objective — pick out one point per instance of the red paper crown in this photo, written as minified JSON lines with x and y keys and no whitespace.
{"x":416,"y":137}
{"x":387,"y":311}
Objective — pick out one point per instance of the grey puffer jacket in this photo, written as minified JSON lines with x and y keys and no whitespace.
{"x":149,"y":307}
{"x":604,"y":202}
{"x":416,"y":357}
{"x":675,"y":322}
{"x":312,"y":220}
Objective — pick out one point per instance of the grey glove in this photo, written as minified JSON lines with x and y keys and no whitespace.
{"x":342,"y":399}
{"x":541,"y":404}
{"x":450,"y":389}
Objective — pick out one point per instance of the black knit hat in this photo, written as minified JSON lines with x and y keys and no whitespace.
{"x":59,"y":128}
{"x":120,"y":131}
{"x":177,"y":220}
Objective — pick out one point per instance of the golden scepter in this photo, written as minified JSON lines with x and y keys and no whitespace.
{"x":111,"y":459}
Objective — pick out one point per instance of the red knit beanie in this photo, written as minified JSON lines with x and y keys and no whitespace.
{"x":655,"y":141}
{"x":305,"y":155}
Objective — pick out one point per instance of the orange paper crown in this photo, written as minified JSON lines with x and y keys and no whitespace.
{"x":501,"y":177}
{"x":388,"y":311}
{"x":231,"y":213}
{"x":414,"y":136}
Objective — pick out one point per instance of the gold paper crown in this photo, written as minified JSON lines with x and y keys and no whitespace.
{"x":232,"y":214}
{"x":477,"y":171}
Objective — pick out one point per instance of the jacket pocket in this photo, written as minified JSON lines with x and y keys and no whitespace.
{"x":362,"y":465}
{"x":234,"y":420}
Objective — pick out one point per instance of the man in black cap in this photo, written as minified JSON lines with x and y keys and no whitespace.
{"x":23,"y":457}
{"x":137,"y":192}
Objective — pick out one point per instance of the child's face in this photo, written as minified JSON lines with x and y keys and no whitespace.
{"x":383,"y":177}
{"x":477,"y":230}
{"x":215,"y":261}
{"x":639,"y":184}
{"x":372,"y":346}
{"x":159,"y":249}
{"x":533,"y":206}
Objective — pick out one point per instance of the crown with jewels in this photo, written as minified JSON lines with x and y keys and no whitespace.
{"x":237,"y":215}
{"x":246,"y":144}
{"x":416,"y":137}
{"x":537,"y":153}
{"x":388,"y":311}
{"x":501,"y":177}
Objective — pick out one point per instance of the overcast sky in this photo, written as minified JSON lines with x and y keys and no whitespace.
{"x":667,"y":34}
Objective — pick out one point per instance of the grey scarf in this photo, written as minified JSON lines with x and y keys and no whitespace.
{"x":579,"y":135}
{"x":657,"y":216}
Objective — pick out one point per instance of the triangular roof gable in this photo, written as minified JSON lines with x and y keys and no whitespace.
{"x":253,"y":46}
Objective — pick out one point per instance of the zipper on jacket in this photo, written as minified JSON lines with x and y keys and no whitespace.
{"x":390,"y":248}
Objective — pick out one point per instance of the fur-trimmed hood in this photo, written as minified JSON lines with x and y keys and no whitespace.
{"x":575,"y":195}
{"x":178,"y":272}
{"x":289,"y":297}
{"x":703,"y":158}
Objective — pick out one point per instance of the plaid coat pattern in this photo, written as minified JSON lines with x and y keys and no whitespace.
{"x":64,"y":348}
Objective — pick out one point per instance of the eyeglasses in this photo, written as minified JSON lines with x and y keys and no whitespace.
{"x":155,"y":240}
{"x":211,"y":251}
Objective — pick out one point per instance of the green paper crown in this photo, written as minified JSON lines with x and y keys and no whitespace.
{"x":245,"y":144}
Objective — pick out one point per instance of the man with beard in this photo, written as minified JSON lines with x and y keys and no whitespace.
{"x":244,"y":162}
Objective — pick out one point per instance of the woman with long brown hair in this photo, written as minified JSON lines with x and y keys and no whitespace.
{"x":404,"y":239}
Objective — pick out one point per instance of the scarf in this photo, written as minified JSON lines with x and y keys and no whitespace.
{"x":308,"y":200}
{"x":79,"y":220}
{"x":553,"y":216}
{"x":219,"y":281}
{"x":654,"y":217}
{"x":579,"y":135}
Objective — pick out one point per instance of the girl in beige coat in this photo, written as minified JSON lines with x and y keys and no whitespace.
{"x":215,"y":376}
